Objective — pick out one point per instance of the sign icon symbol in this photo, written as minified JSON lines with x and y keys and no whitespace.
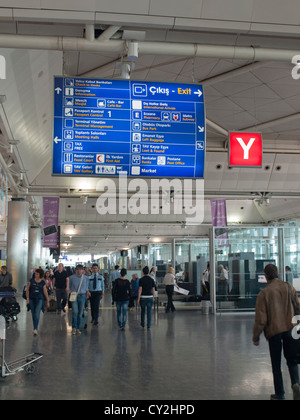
{"x":100,"y":158}
{"x":68,"y":146}
{"x":69,"y":112}
{"x":69,"y":134}
{"x":136,"y":159}
{"x":165,"y":116}
{"x":198,"y":92}
{"x":140,"y":90}
{"x":136,"y":137}
{"x":101,"y":103}
{"x":136,"y":148}
{"x":68,"y":169}
{"x":68,"y":157}
{"x":176,"y":116}
{"x":136,"y":126}
{"x":69,"y":91}
{"x":161,"y":160}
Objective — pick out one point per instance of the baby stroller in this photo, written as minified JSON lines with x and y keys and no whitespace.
{"x":9,"y":307}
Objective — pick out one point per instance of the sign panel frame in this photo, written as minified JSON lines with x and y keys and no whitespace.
{"x":159,"y":136}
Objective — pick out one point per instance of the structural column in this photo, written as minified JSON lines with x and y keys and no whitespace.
{"x":35,"y":249}
{"x":17,"y":241}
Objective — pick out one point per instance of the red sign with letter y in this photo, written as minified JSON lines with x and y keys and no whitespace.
{"x":245,"y":149}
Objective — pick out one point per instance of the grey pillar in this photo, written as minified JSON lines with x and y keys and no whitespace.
{"x":17,"y":241}
{"x":34,"y":249}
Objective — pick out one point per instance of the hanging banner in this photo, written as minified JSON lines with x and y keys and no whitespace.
{"x":219,"y":220}
{"x":50,"y":222}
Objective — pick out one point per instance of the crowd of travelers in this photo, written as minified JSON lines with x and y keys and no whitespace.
{"x":84,"y":286}
{"x":275,"y":307}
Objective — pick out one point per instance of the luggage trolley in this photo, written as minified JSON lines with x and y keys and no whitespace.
{"x":26,"y":363}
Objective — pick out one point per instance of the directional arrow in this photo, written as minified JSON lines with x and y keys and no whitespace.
{"x":56,"y":140}
{"x":201,"y":129}
{"x":58,"y":90}
{"x":198,"y":92}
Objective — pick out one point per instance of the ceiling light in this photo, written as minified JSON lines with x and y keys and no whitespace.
{"x":133,"y":50}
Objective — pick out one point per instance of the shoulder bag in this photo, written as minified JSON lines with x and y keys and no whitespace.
{"x":73,"y":295}
{"x":292,"y":353}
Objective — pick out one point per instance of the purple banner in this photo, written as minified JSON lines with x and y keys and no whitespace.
{"x":50,"y":222}
{"x":219,"y":219}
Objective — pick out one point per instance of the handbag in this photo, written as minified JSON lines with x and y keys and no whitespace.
{"x":293,"y":350}
{"x":73,"y":295}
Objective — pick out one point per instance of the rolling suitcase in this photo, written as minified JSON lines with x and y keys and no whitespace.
{"x":52,"y":305}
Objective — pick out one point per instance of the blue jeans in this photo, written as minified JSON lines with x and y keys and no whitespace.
{"x":146,"y":303}
{"x":122,"y":307}
{"x":77,"y":311}
{"x":36,"y":306}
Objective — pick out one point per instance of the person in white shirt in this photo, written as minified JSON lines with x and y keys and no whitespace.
{"x":169,"y":282}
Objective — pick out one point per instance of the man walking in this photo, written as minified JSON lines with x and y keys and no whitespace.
{"x":79,"y":284}
{"x":274,"y":314}
{"x":61,"y":286}
{"x":96,"y":289}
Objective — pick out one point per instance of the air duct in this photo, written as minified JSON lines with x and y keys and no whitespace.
{"x":61,"y":43}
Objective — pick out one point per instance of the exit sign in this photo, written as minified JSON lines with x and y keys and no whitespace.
{"x":245,"y":149}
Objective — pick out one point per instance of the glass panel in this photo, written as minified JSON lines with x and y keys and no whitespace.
{"x":240,"y":259}
{"x":160,"y":257}
{"x":292,"y":255}
{"x":191,"y":257}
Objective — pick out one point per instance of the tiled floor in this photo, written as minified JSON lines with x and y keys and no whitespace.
{"x":185,"y":356}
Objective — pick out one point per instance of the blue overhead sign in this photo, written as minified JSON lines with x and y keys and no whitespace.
{"x":145,"y":129}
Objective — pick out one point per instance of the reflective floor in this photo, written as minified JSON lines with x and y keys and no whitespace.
{"x":185,"y":356}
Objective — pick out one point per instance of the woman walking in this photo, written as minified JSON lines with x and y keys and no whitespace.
{"x":121,"y":294}
{"x":36,"y":296}
{"x":146,"y":297}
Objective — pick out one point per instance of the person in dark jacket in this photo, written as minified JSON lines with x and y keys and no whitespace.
{"x":274,"y":316}
{"x":121,"y":294}
{"x":5,"y":277}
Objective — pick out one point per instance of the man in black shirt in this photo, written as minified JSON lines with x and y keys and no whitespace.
{"x":146,"y":297}
{"x":61,"y":285}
